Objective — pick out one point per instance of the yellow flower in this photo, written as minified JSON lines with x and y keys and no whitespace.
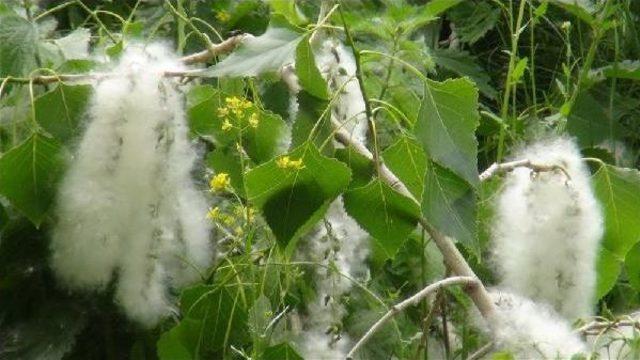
{"x":296,"y":164}
{"x":223,"y":16}
{"x":283,"y":162}
{"x":214,"y":213}
{"x":254,"y":119}
{"x":245,"y":104}
{"x":286,"y":163}
{"x":237,"y":105}
{"x":238,"y":230}
{"x":251,"y":214}
{"x":223,"y":111}
{"x":220,"y":182}
{"x":226,"y":125}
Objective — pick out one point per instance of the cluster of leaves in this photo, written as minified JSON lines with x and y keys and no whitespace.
{"x":453,"y":85}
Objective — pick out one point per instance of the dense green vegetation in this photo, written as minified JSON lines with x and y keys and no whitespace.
{"x":448,"y":87}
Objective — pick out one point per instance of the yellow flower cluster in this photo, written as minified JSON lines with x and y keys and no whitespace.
{"x":236,"y":220}
{"x":223,"y":16}
{"x":285,"y":162}
{"x":237,"y":107}
{"x":220,"y":182}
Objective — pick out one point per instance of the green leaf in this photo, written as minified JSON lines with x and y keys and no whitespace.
{"x":259,"y":315}
{"x":473,"y":20}
{"x":449,"y":204}
{"x":60,"y":110}
{"x":18,"y":40}
{"x":307,"y":71}
{"x":268,"y":139}
{"x":282,"y":351}
{"x":384,"y":213}
{"x":407,"y":160}
{"x":618,"y":190}
{"x":463,"y":64}
{"x":29,"y":174}
{"x":289,"y":10}
{"x":258,"y":55}
{"x":632,"y":265}
{"x":362,"y":170}
{"x":519,"y":69}
{"x":310,"y":110}
{"x":608,"y":267}
{"x":202,"y":104}
{"x":437,"y":7}
{"x":171,"y":345}
{"x":583,"y":10}
{"x":627,"y":69}
{"x":292,"y":200}
{"x":446,"y":126}
{"x":591,"y":122}
{"x":214,"y":317}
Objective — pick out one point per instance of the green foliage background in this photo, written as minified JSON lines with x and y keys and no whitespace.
{"x":446,"y":105}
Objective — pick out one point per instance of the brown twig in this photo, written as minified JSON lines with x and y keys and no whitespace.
{"x":413,"y":300}
{"x":224,"y":47}
{"x":480,"y":353}
{"x":496,"y":169}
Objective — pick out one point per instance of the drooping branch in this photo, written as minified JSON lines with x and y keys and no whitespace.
{"x":413,"y":300}
{"x":497,"y":169}
{"x":452,"y":256}
{"x":599,"y":326}
{"x":224,"y":47}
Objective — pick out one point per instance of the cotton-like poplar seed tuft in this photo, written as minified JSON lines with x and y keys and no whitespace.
{"x":128,"y":204}
{"x":338,"y":67}
{"x":531,"y":330}
{"x":547,"y":229}
{"x":339,"y":244}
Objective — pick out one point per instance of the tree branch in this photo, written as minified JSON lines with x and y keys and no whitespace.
{"x":452,"y":257}
{"x":597,"y":327}
{"x":200,"y":57}
{"x":497,"y":169}
{"x":413,"y":300}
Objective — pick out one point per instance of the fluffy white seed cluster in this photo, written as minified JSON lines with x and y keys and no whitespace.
{"x":530,"y":330}
{"x":128,"y":204}
{"x":337,"y":242}
{"x":342,"y":247}
{"x":547,"y":230}
{"x":338,"y":67}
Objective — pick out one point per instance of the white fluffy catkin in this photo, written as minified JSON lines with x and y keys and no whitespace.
{"x":128,"y":202}
{"x":338,"y":67}
{"x":340,"y":243}
{"x":531,"y":330}
{"x":547,"y":229}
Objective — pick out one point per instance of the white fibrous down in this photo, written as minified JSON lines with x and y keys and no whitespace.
{"x":531,"y":330}
{"x":547,"y":229}
{"x":338,"y":67}
{"x":128,"y":207}
{"x":341,"y":246}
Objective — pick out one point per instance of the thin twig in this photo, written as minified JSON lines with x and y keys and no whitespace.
{"x":480,"y":353}
{"x":452,"y":256}
{"x":497,"y":169}
{"x":413,"y":300}
{"x":598,"y":326}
